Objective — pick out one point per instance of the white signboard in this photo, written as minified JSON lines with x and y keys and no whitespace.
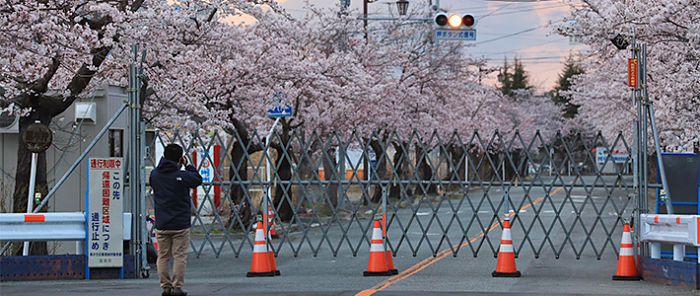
{"x":104,"y":212}
{"x":602,"y":156}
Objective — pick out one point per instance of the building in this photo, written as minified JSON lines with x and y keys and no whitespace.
{"x":73,"y":131}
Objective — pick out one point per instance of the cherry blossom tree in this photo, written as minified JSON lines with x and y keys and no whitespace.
{"x":54,"y":52}
{"x":671,"y":30}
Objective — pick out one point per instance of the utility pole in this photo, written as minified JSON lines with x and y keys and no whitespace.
{"x":364,"y":15}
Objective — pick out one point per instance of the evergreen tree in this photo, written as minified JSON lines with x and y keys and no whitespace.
{"x":569,"y":109}
{"x":505,"y":79}
{"x":516,"y":80}
{"x":519,"y":80}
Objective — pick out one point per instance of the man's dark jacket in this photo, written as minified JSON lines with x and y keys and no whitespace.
{"x":171,"y":194}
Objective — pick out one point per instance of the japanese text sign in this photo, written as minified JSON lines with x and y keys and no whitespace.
{"x":632,"y":73}
{"x":104,"y":212}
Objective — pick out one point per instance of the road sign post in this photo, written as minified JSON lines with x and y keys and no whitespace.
{"x":278,"y":109}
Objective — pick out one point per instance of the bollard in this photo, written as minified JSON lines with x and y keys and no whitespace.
{"x":678,"y":252}
{"x":655,"y":250}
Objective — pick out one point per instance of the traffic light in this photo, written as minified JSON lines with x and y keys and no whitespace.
{"x":453,"y":26}
{"x":454,"y":21}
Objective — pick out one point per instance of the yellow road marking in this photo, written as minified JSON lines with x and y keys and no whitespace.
{"x":442,"y":254}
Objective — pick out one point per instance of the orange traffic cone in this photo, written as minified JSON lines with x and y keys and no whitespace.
{"x":377,"y":265}
{"x":152,"y":220}
{"x":260,"y":266}
{"x":154,"y":240}
{"x":626,"y":268}
{"x":389,"y":259}
{"x":271,"y":222}
{"x":271,"y":259}
{"x":506,"y":256}
{"x":390,"y":263}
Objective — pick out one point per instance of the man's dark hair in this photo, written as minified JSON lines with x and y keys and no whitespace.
{"x":173,"y":152}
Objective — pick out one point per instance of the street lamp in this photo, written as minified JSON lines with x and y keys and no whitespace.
{"x":402,"y":6}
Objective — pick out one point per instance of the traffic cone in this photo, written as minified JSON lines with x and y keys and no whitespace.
{"x":260,"y":266}
{"x":271,"y":222}
{"x":390,"y":262}
{"x":151,"y":220}
{"x":154,"y":240}
{"x":639,"y":256}
{"x":389,"y":258}
{"x":626,"y":268}
{"x":506,"y":256}
{"x":271,"y":259}
{"x":377,"y":265}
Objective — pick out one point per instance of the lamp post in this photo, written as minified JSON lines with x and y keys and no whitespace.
{"x":364,"y":14}
{"x":401,"y":6}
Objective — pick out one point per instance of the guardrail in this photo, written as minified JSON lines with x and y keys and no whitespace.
{"x":50,"y":227}
{"x":679,"y":230}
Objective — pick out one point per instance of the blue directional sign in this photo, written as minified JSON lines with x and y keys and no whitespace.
{"x":452,"y":34}
{"x":279,"y":108}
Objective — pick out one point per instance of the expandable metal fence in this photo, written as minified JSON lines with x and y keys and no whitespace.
{"x":436,"y":193}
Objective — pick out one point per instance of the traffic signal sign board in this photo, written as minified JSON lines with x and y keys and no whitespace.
{"x":454,"y":27}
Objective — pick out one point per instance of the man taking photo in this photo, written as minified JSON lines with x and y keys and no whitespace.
{"x":171,"y":197}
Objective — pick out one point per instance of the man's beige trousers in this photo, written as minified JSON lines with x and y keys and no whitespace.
{"x":172,"y":244}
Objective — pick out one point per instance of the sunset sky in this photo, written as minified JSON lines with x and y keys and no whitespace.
{"x":504,"y":29}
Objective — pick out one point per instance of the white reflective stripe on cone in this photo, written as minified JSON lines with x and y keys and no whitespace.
{"x":377,"y":248}
{"x":377,"y":233}
{"x":261,"y":248}
{"x":626,"y":252}
{"x":506,"y":248}
{"x":506,"y":233}
{"x":259,"y":236}
{"x":626,"y":238}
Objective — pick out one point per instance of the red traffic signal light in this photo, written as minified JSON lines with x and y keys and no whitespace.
{"x":468,"y":20}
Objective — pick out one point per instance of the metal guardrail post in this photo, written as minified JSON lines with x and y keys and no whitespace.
{"x":655,"y":250}
{"x":678,"y":252}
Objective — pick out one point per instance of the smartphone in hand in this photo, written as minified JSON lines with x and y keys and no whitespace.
{"x":183,"y":161}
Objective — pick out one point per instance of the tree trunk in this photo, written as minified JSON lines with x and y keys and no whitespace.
{"x":381,"y":168}
{"x":330,"y":170}
{"x":456,"y":158}
{"x":425,"y":171}
{"x":283,"y":192}
{"x":22,"y":175}
{"x":238,"y":190}
{"x":401,"y":159}
{"x":241,"y":148}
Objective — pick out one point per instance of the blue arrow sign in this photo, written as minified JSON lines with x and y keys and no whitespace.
{"x":278,"y":108}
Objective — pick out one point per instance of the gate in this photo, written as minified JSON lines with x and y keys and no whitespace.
{"x":566,"y":194}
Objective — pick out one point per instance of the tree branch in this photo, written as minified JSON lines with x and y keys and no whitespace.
{"x":42,"y":85}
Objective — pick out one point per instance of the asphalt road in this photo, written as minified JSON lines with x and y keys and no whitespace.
{"x":315,"y":271}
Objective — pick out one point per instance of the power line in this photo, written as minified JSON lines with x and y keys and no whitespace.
{"x":510,"y":35}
